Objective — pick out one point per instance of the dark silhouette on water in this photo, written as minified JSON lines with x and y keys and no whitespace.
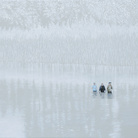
{"x":102,"y":88}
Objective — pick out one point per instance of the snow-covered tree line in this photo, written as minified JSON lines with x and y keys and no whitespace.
{"x":28,"y":13}
{"x":89,"y":40}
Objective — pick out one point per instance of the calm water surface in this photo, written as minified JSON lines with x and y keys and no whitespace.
{"x":57,"y":105}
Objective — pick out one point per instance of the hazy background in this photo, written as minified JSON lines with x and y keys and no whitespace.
{"x":52,"y":51}
{"x":69,"y":32}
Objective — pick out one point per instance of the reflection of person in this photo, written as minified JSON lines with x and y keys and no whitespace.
{"x":109,"y":88}
{"x":94,"y":87}
{"x":102,"y":88}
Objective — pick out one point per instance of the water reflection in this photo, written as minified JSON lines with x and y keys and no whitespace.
{"x":94,"y":94}
{"x":110,"y":95}
{"x":60,"y":109}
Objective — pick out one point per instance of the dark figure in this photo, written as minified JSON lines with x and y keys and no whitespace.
{"x":102,"y":88}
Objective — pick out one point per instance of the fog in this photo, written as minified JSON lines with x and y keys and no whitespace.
{"x":51,"y":53}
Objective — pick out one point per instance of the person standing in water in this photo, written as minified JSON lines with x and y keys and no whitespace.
{"x":109,"y":88}
{"x":102,"y":88}
{"x":94,"y":87}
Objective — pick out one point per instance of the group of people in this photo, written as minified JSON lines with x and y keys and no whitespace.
{"x":102,"y":88}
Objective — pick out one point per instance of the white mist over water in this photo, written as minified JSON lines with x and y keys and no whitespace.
{"x":51,"y":52}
